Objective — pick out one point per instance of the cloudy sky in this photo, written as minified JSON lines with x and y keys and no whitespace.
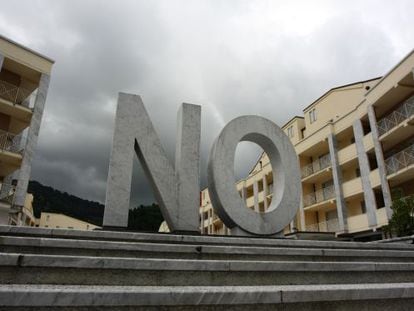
{"x":269,"y":58}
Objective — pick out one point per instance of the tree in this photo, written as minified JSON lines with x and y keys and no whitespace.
{"x":47,"y":199}
{"x":402,"y":220}
{"x":145,"y":218}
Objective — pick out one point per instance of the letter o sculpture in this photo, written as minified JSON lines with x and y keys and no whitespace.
{"x":224,"y":196}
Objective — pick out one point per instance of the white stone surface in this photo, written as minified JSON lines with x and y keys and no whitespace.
{"x":337,"y":178}
{"x":156,"y":264}
{"x":169,"y":250}
{"x":369,"y":197}
{"x":225,"y":199}
{"x":385,"y":187}
{"x":31,"y":142}
{"x":176,"y":189}
{"x":87,"y":295}
{"x":127,"y":279}
{"x":188,"y":239}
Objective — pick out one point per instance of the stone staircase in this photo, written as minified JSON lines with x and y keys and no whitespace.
{"x":43,"y":269}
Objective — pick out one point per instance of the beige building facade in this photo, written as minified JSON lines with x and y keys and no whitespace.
{"x":355,"y":147}
{"x":24,"y":82}
{"x":51,"y":220}
{"x":61,"y":221}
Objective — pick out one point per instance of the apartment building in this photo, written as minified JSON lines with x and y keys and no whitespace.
{"x":61,"y":221}
{"x":24,"y":82}
{"x":355,"y":147}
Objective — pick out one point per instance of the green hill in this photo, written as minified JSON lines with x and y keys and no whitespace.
{"x":48,"y":199}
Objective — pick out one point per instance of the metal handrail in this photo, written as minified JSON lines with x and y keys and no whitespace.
{"x":316,"y":166}
{"x":13,"y":93}
{"x":7,"y":193}
{"x":10,"y":142}
{"x":331,"y":225}
{"x":403,"y":112}
{"x":319,"y":196}
{"x":400,"y":160}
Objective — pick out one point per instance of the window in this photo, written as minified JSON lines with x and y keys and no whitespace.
{"x":358,"y":172}
{"x":373,"y":164}
{"x":260,"y":186}
{"x":366,"y":127}
{"x":290,"y":131}
{"x":379,"y":198}
{"x":312,"y":115}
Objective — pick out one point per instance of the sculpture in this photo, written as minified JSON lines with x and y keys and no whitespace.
{"x":176,"y":187}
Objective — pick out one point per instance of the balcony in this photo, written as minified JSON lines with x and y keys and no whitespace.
{"x":319,"y":196}
{"x":368,"y":142}
{"x":400,"y":160}
{"x":270,"y":190}
{"x":331,"y":225}
{"x":8,"y":196}
{"x":316,"y":166}
{"x":15,"y":94}
{"x":382,"y":218}
{"x":10,"y":153}
{"x":216,"y":218}
{"x":220,"y":231}
{"x":250,"y":202}
{"x":404,"y":112}
{"x":10,"y":142}
{"x":374,"y":178}
{"x":347,"y":154}
{"x":352,"y":188}
{"x":358,"y":223}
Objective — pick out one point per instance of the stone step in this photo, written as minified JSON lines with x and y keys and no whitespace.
{"x":194,"y":239}
{"x":42,"y":269}
{"x":393,"y":296}
{"x":71,"y":247}
{"x":55,"y":269}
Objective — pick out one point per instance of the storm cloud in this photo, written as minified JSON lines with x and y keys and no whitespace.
{"x":268,"y":58}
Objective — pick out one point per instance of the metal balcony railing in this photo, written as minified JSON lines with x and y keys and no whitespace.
{"x":7,"y":193}
{"x":316,"y":166}
{"x":319,"y":196}
{"x":15,"y":94}
{"x":402,"y":113}
{"x":331,"y":225}
{"x":10,"y":142}
{"x":400,"y":160}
